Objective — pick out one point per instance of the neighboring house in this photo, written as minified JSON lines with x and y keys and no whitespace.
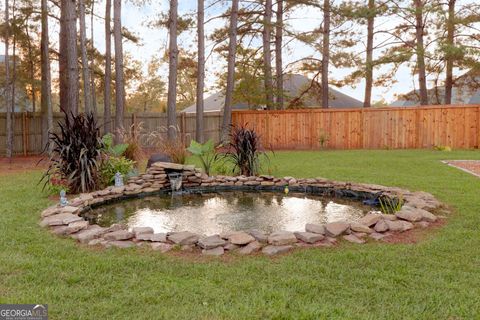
{"x":293,"y":85}
{"x":22,"y":100}
{"x":466,"y":90}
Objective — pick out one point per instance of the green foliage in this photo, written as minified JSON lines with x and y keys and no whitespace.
{"x":206,"y":152}
{"x":390,"y":205}
{"x":76,"y":152}
{"x":442,"y":148}
{"x":111,"y":149}
{"x":323,"y":138}
{"x":112,"y":165}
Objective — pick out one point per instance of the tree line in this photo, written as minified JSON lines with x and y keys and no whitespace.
{"x":371,"y":39}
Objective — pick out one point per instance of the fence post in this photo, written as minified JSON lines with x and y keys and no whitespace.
{"x":133,"y":129}
{"x":24,"y":133}
{"x":311,"y":123}
{"x":362,"y":128}
{"x":183,"y":125}
{"x":417,"y":128}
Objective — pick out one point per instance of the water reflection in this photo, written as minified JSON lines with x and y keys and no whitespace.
{"x":227,"y":211}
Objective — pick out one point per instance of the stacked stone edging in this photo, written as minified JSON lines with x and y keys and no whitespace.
{"x":68,"y":221}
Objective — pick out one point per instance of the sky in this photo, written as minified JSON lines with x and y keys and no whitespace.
{"x":154,"y":42}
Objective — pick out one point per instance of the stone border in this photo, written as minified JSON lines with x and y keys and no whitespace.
{"x":69,"y":221}
{"x":452,"y":164}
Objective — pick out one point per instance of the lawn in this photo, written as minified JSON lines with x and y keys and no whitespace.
{"x":438,"y":278}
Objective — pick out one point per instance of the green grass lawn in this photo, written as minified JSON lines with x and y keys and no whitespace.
{"x":438,"y":278}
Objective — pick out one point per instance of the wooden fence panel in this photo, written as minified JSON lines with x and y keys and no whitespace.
{"x":374,"y":128}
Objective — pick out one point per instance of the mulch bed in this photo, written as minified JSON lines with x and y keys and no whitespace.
{"x":469,"y":166}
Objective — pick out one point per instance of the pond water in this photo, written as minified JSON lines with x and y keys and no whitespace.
{"x":212,"y":213}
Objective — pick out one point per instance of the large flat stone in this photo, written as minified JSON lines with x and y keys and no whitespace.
{"x":121,"y":244}
{"x":76,"y":226}
{"x":250,"y":248}
{"x":162,"y":247}
{"x":118,"y":235}
{"x":381,"y":226}
{"x":260,"y":236}
{"x":141,"y":230}
{"x":281,"y":238}
{"x":335,"y":229}
{"x":92,"y":232}
{"x":183,"y":237}
{"x":211,"y":242}
{"x":354,"y":239}
{"x":370,"y":219}
{"x":218,"y":251}
{"x":399,"y":225}
{"x":273,"y":250}
{"x":315,"y":228}
{"x":60,"y":219}
{"x":168,"y":165}
{"x":240,"y":238}
{"x":409,"y":214}
{"x":158,"y":237}
{"x":358,"y":227}
{"x":309,"y":237}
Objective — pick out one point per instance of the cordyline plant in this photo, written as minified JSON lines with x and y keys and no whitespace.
{"x":244,"y":150}
{"x":75,"y":153}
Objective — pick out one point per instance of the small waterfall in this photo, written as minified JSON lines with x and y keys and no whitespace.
{"x":175,"y":181}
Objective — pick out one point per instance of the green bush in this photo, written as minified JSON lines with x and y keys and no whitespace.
{"x":111,"y":165}
{"x":206,"y":152}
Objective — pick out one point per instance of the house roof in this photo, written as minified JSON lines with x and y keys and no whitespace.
{"x":293,"y":85}
{"x":466,"y":90}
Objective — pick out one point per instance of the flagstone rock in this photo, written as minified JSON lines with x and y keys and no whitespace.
{"x":315,"y":228}
{"x":335,"y":229}
{"x":281,"y":238}
{"x":354,"y":239}
{"x":183,"y":237}
{"x":273,"y":250}
{"x":230,"y":246}
{"x":381,"y":226}
{"x":162,"y":247}
{"x":211,"y":242}
{"x":145,"y":237}
{"x":158,"y":237}
{"x":119,"y":235}
{"x":250,"y":248}
{"x":92,"y":232}
{"x":399,"y":225}
{"x":240,"y":238}
{"x":218,"y":251}
{"x":410,"y":214}
{"x":428,"y":216}
{"x":370,"y":219}
{"x":259,"y":235}
{"x":377,"y":236}
{"x":309,"y":237}
{"x":60,"y":219}
{"x":141,"y":230}
{"x":76,"y":226}
{"x":358,"y":227}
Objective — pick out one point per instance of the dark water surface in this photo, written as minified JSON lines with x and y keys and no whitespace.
{"x":213,"y":213}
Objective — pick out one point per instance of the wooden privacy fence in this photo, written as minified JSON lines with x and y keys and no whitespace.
{"x":372,"y":128}
{"x":28,"y":128}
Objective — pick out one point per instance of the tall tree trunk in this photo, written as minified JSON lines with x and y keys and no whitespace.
{"x":92,"y":64}
{"x":367,"y":102}
{"x":68,"y":64}
{"x":420,"y":52}
{"x":448,"y":55}
{"x":232,"y":49}
{"x":172,"y":71}
{"x":31,"y":68}
{"x":278,"y":55}
{"x":201,"y":70}
{"x":14,"y":73}
{"x":119,"y":76}
{"x":46,"y":100}
{"x":8,"y":97}
{"x":87,"y":98}
{"x":107,"y":94}
{"x":267,"y":54}
{"x":325,"y":52}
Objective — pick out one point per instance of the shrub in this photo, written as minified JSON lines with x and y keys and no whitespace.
{"x":390,"y":205}
{"x":110,"y":149}
{"x":244,"y":151}
{"x":206,"y":152}
{"x":112,"y":165}
{"x":75,"y":153}
{"x":132,"y":137}
{"x":175,"y":148}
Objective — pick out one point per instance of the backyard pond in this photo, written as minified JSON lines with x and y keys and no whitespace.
{"x":212,"y":213}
